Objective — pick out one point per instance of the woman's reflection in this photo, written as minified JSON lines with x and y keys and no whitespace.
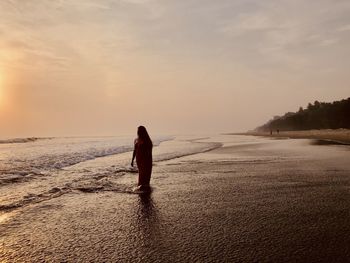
{"x":148,"y":224}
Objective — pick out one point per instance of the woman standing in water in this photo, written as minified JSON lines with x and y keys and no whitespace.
{"x":143,"y":153}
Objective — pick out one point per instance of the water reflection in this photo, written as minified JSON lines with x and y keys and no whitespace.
{"x":147,"y":224}
{"x":147,"y":214}
{"x":146,"y":207}
{"x":327,"y":142}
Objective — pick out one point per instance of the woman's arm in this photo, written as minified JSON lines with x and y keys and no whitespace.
{"x":133,"y":154}
{"x":133,"y":157}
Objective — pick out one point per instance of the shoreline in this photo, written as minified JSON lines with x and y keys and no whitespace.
{"x":252,"y":200}
{"x":338,"y":136}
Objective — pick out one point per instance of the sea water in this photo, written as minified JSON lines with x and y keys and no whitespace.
{"x":37,"y":169}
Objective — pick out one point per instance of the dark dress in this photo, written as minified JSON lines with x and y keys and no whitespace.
{"x":144,"y":161}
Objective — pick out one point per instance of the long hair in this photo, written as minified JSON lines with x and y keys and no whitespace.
{"x":143,"y":135}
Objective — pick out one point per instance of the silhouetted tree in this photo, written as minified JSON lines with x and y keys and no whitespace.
{"x":320,"y":115}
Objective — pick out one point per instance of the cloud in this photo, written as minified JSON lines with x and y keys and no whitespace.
{"x":344,"y":28}
{"x":108,"y":52}
{"x":292,"y":33}
{"x":137,"y":1}
{"x":329,"y":42}
{"x":250,"y":23}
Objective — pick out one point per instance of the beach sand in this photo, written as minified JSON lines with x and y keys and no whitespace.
{"x":259,"y":201}
{"x":336,"y":135}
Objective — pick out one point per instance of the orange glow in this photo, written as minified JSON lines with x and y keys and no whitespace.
{"x":1,"y":88}
{"x":3,"y":91}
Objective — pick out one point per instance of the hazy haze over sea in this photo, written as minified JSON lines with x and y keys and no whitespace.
{"x":103,"y":67}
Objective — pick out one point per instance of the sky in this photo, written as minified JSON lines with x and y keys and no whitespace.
{"x":104,"y":67}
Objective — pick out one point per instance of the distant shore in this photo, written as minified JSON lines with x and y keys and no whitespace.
{"x":338,"y":135}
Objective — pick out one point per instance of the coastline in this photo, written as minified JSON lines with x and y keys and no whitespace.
{"x":338,"y":136}
{"x":251,"y":200}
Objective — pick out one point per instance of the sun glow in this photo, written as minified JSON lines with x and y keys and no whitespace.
{"x":2,"y":91}
{"x":1,"y":88}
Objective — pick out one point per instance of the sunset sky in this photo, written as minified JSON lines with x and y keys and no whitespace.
{"x":103,"y":67}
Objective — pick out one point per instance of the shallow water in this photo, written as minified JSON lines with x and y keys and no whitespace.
{"x":48,"y":168}
{"x":252,"y":200}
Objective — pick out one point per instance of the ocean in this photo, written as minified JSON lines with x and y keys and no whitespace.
{"x":37,"y":169}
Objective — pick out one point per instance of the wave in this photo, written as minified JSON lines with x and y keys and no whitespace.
{"x":16,"y":176}
{"x":35,"y":198}
{"x":83,"y":185}
{"x":100,"y":178}
{"x":65,"y":160}
{"x":57,"y":192}
{"x":18,"y":168}
{"x":24,"y":140}
{"x":203,"y":147}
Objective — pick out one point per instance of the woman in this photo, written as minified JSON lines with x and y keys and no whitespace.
{"x":143,"y":153}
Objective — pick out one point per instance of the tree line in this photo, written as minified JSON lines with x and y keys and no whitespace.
{"x":319,"y":115}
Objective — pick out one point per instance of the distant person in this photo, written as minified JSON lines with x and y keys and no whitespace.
{"x":143,"y":153}
{"x":270,"y":132}
{"x":278,"y":131}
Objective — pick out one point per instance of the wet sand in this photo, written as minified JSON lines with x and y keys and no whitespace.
{"x":260,"y":201}
{"x":336,"y":135}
